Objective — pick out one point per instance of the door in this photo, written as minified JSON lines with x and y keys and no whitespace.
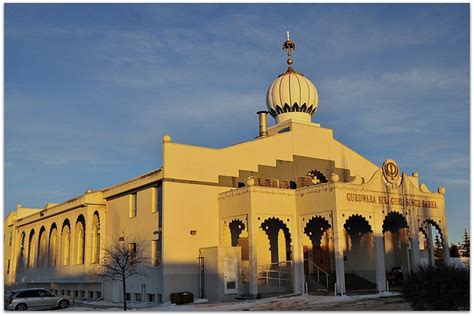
{"x":32,"y":299}
{"x":48,"y":299}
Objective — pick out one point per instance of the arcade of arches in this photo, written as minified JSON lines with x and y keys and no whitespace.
{"x":352,"y":248}
{"x":275,"y":245}
{"x":59,"y":245}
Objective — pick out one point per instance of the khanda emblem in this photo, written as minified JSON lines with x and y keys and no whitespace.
{"x":390,"y":170}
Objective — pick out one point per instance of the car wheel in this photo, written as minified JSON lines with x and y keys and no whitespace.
{"x":21,"y":307}
{"x":63,"y":304}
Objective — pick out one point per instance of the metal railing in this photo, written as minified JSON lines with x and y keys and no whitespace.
{"x":349,"y":268}
{"x":318,"y":271}
{"x":279,"y":271}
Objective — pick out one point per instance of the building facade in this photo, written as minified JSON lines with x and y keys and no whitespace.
{"x":293,"y":210}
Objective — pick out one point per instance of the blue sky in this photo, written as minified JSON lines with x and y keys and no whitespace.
{"x":91,"y":89}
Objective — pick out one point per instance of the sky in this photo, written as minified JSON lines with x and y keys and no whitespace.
{"x":90,"y":89}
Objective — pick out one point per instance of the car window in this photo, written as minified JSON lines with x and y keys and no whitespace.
{"x":45,"y":293}
{"x":31,"y":293}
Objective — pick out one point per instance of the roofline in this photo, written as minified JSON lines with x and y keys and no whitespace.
{"x":150,"y":173}
{"x":77,"y":198}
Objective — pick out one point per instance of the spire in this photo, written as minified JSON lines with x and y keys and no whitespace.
{"x":289,"y":47}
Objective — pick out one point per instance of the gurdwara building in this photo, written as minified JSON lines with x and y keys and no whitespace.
{"x":293,"y":210}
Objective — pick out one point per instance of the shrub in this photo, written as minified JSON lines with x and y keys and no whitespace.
{"x":437,"y":288}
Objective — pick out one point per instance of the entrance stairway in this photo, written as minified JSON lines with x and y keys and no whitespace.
{"x":354,"y":282}
{"x":319,"y":288}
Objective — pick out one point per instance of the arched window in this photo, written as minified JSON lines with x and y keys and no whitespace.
{"x":79,"y":239}
{"x":65,"y":243}
{"x":42,"y":248}
{"x":95,"y":238}
{"x":22,"y":244}
{"x":53,"y":245}
{"x":31,"y":250}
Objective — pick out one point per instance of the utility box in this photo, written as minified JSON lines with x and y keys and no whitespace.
{"x":182,"y":298}
{"x":221,"y":272}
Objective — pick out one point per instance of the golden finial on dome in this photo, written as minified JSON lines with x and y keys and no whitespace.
{"x":289,"y":47}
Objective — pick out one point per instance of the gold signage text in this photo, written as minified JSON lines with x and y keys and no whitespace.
{"x":384,"y":200}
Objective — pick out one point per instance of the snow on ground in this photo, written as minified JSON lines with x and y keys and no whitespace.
{"x":288,"y":302}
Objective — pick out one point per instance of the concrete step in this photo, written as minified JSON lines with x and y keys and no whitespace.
{"x":356,"y":282}
{"x":314,"y":285}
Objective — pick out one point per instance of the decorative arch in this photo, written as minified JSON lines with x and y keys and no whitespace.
{"x":438,"y":253}
{"x":65,"y":243}
{"x":275,"y":228}
{"x":357,"y":226}
{"x":95,"y":237}
{"x":79,"y":239}
{"x":318,"y":176}
{"x":22,"y":244}
{"x":315,"y":229}
{"x":31,"y":250}
{"x":396,"y":241}
{"x":435,"y":224}
{"x":393,"y":222}
{"x":53,"y":246}
{"x":318,"y":231}
{"x":41,"y":261}
{"x":236,"y":227}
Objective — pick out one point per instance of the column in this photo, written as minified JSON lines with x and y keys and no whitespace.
{"x":339,"y":242}
{"x":89,"y":248}
{"x":429,"y":235}
{"x":404,"y":255}
{"x":298,"y":264}
{"x":446,"y":255}
{"x":415,"y":252}
{"x":414,"y":241}
{"x":380,"y":276}
{"x":253,"y":235}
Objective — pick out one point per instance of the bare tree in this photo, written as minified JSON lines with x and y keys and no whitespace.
{"x":121,"y":260}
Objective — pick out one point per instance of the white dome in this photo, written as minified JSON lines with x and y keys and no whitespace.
{"x":292,"y":96}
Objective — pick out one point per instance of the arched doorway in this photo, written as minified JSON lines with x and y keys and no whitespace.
{"x":359,"y":254}
{"x":42,"y":253}
{"x":21,"y":258}
{"x":95,"y":238}
{"x":31,"y":250}
{"x":431,"y":242}
{"x":279,"y":237}
{"x":318,"y":231}
{"x":239,"y":237}
{"x":53,"y":246}
{"x":79,"y":239}
{"x":65,"y":243}
{"x":274,"y":256}
{"x":396,"y":245}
